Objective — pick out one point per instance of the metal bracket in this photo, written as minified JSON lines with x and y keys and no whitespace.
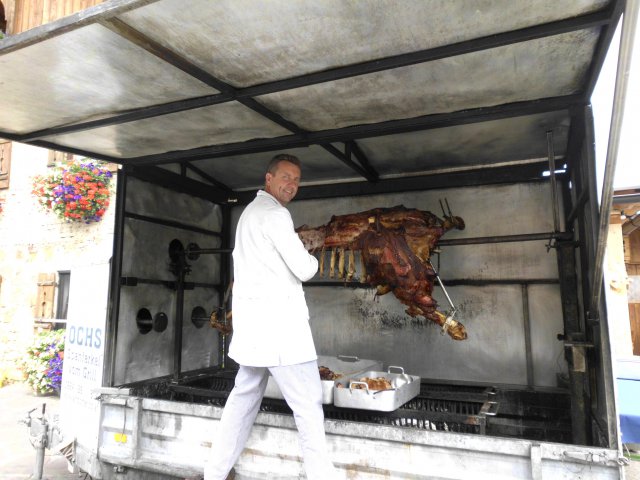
{"x":593,"y":317}
{"x":551,"y":245}
{"x":101,"y":392}
{"x":578,"y":345}
{"x":591,"y":458}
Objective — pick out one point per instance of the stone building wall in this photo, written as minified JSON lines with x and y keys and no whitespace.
{"x":34,"y":241}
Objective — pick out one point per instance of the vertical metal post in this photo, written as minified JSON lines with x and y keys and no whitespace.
{"x":38,"y":467}
{"x":177,"y":330}
{"x":40,"y":444}
{"x":527,"y":334}
{"x":573,"y":328}
{"x":584,"y":189}
{"x":630,"y":18}
{"x":225,"y":278}
{"x":552,"y":177}
{"x":114,"y":283}
{"x":577,"y":382}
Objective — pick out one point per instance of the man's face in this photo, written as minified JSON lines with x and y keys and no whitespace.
{"x":283,"y":184}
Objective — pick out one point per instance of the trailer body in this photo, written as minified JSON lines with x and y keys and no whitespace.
{"x":421,"y":104}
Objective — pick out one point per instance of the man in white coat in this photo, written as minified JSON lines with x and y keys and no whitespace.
{"x":271,"y":327}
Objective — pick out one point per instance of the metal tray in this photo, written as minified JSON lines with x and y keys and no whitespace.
{"x":344,"y":365}
{"x":405,"y":388}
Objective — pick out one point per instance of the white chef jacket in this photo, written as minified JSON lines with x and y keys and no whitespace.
{"x":270,"y":314}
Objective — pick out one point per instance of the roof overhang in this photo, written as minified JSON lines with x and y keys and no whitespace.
{"x":365,"y":93}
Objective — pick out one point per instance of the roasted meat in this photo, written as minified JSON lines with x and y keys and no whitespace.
{"x":327,"y":374}
{"x":395,"y":246}
{"x":221,"y":320}
{"x":378,"y":383}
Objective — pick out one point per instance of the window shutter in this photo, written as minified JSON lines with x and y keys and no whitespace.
{"x":46,"y":290}
{"x":59,"y":158}
{"x":5,"y":164}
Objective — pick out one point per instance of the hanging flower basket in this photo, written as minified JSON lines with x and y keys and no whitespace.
{"x":79,"y":192}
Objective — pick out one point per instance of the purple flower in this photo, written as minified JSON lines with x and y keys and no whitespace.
{"x":54,"y":373}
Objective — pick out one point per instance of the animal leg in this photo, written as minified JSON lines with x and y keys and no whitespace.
{"x":332,"y":263}
{"x":322,"y":261}
{"x":352,"y":265}
{"x":450,"y":326}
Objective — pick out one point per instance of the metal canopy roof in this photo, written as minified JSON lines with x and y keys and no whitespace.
{"x":368,"y":91}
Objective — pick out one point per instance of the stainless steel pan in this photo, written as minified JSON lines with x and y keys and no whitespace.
{"x":405,"y":387}
{"x":344,"y":365}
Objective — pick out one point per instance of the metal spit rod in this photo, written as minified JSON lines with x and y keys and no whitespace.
{"x":525,"y":237}
{"x":454,"y":309}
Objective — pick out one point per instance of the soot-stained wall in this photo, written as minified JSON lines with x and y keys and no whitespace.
{"x":348,"y":321}
{"x":146,"y":256}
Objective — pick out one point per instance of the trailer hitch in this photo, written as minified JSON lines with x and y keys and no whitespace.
{"x":42,"y":435}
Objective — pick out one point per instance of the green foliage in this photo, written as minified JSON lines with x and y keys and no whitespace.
{"x":43,"y":361}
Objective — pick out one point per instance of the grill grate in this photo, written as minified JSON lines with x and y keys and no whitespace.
{"x":439,"y":406}
{"x":421,"y":413}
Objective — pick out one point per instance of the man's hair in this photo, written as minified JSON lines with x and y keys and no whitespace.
{"x":282,"y":157}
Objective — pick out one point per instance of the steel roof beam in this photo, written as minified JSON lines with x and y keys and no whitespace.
{"x":82,"y":18}
{"x":367,"y":172}
{"x":126,"y":31}
{"x":178,"y":183}
{"x":608,"y":30}
{"x":62,"y":148}
{"x":529,"y":172}
{"x":364,"y":131}
{"x":352,"y":147}
{"x":326,"y":137}
{"x":207,"y":177}
{"x":601,"y":18}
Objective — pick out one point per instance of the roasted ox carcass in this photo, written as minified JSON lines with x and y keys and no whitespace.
{"x":395,"y":245}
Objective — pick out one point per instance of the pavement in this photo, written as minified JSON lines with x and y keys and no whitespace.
{"x":18,"y":456}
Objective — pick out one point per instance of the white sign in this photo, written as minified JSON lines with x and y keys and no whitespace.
{"x":83,"y":360}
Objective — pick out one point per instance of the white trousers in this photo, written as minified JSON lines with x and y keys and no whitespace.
{"x":302,"y":389}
